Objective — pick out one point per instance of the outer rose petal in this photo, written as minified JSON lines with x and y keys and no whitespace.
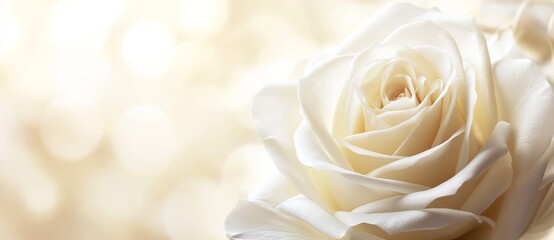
{"x":251,"y":220}
{"x":283,"y":216}
{"x":277,"y":115}
{"x":429,"y":223}
{"x":526,"y":100}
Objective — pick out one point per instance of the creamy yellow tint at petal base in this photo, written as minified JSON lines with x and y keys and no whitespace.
{"x":144,"y":140}
{"x":196,"y":210}
{"x":71,"y":128}
{"x":203,"y":19}
{"x":148,"y":48}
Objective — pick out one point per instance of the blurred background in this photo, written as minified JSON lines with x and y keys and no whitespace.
{"x":130,"y":119}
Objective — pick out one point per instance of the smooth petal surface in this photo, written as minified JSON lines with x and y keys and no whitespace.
{"x":526,"y":98}
{"x":273,"y":190}
{"x":311,"y":213}
{"x":254,"y":221}
{"x":277,"y":115}
{"x":431,"y":223}
{"x":493,"y":151}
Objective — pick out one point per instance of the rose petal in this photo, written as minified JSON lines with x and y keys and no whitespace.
{"x":389,"y":18}
{"x":386,"y":141}
{"x":440,"y":223}
{"x":254,"y":221}
{"x":273,"y":190}
{"x":312,"y":154}
{"x":492,"y":152}
{"x":416,"y":168}
{"x":311,"y":213}
{"x":526,"y":98}
{"x":277,"y":115}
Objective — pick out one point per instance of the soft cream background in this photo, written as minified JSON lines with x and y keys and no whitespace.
{"x":130,"y":119}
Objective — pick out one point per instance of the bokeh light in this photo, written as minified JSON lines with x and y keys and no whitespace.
{"x":196,"y":210}
{"x":9,"y":29}
{"x":40,"y":196}
{"x":71,"y":128}
{"x":144,"y":140}
{"x":83,"y":24}
{"x":112,"y":196}
{"x":85,"y":76}
{"x":148,"y":48}
{"x":202,"y":19}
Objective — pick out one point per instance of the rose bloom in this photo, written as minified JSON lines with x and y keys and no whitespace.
{"x":407,"y":130}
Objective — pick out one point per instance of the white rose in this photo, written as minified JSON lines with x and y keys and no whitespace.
{"x":405,"y":131}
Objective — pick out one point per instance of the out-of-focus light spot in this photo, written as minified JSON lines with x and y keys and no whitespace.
{"x":6,"y":231}
{"x":71,"y":128}
{"x":30,"y":82}
{"x":9,"y":30}
{"x":81,"y":76}
{"x":40,"y":196}
{"x":148,"y":48}
{"x":201,"y":19}
{"x":144,"y":140}
{"x":196,"y":210}
{"x":83,"y":24}
{"x":290,"y":43}
{"x":113,"y":196}
{"x":245,"y":167}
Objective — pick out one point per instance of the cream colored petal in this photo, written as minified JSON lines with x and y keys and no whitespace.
{"x":525,"y":100}
{"x":315,"y":216}
{"x":386,"y":20}
{"x":462,"y":40}
{"x":492,"y":152}
{"x":421,"y":137}
{"x":319,"y":93}
{"x":437,"y":160}
{"x":543,"y":224}
{"x":431,"y":223}
{"x":394,"y":118}
{"x":277,"y":115}
{"x":311,"y":153}
{"x":496,"y":181}
{"x":273,"y":190}
{"x":386,"y":141}
{"x":250,"y":220}
{"x":473,"y":49}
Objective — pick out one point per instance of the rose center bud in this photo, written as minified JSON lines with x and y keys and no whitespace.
{"x":398,"y":95}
